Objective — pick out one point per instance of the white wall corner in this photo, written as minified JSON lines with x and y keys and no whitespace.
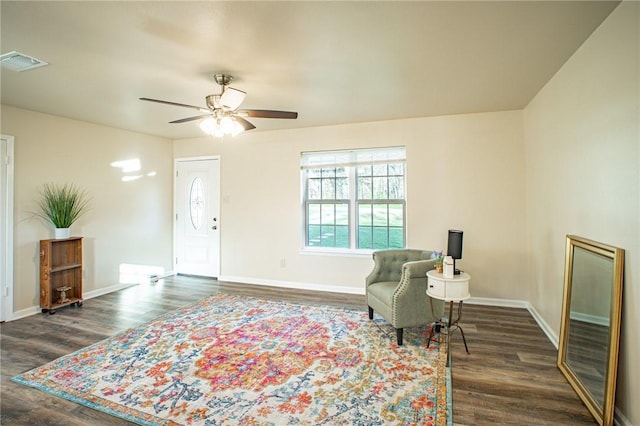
{"x":553,"y":337}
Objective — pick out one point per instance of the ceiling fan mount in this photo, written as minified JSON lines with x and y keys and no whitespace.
{"x":223,"y":79}
{"x":223,"y":115}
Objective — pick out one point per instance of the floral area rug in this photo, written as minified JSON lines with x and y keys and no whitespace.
{"x":230,"y":360}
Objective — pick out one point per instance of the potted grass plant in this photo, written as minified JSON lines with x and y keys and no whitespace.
{"x":62,"y":205}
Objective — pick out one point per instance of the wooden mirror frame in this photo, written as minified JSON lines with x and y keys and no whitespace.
{"x":603,"y":413}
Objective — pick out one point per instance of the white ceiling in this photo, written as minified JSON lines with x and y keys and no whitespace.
{"x":333,"y":62}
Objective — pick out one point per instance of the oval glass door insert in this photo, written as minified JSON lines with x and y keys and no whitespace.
{"x":196,"y":203}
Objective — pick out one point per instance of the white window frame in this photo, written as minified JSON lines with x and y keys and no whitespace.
{"x":349,"y":159}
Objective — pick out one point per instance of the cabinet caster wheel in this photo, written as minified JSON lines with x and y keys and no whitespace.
{"x":79,"y":304}
{"x":44,"y":311}
{"x":51,"y":312}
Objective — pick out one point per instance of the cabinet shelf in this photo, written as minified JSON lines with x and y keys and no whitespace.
{"x":71,"y":301}
{"x":60,"y":273}
{"x":65,"y":267}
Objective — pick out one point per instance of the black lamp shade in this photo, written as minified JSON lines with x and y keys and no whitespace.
{"x":454,"y":245}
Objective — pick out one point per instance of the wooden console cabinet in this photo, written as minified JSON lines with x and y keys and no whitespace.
{"x":60,"y":273}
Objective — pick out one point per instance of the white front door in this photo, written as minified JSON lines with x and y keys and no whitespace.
{"x":197,"y":206}
{"x":6,"y":227}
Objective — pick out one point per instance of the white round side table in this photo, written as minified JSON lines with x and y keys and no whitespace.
{"x":453,"y":290}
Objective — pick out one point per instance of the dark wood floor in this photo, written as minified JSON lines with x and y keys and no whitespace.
{"x":510,"y":377}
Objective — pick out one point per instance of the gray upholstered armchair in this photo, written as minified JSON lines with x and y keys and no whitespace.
{"x":397,"y":289}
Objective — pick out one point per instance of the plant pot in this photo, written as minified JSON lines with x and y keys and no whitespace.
{"x":60,"y":233}
{"x":439,"y":268}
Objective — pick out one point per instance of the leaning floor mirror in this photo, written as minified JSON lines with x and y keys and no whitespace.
{"x":590,"y":327}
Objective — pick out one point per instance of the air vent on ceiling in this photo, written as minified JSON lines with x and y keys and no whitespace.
{"x":17,"y":61}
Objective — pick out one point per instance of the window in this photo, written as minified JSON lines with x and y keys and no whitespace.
{"x":354,"y":199}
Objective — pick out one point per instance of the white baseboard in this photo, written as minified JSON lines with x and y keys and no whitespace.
{"x":22,"y":313}
{"x":551,"y":335}
{"x":292,"y":284}
{"x":105,"y":290}
{"x":505,"y":303}
{"x":591,"y":319}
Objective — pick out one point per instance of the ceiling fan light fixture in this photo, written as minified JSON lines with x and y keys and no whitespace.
{"x":209,"y":125}
{"x":218,"y":127}
{"x":226,"y":125}
{"x":237,"y":129}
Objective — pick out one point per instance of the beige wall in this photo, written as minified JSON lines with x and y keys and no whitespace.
{"x":463,"y":171}
{"x":582,"y":143}
{"x":127,"y":223}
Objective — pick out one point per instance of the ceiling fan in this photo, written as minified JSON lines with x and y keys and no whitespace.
{"x":222,"y":114}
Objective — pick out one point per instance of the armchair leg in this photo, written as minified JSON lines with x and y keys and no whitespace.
{"x":399,"y":335}
{"x":370,"y":312}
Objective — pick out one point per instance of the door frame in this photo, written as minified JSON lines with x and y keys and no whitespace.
{"x":175,"y":205}
{"x":6,"y":222}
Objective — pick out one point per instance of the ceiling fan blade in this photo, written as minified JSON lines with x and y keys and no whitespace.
{"x":232,"y":98}
{"x":176,"y":104}
{"x":184,"y":120}
{"x":247,"y":125}
{"x":267,"y":113}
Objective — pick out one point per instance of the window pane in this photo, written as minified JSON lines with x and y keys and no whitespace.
{"x":342,"y":172}
{"x":342,"y":236}
{"x":342,"y":214}
{"x":396,"y":238}
{"x":396,"y":188}
{"x":380,"y":170}
{"x":396,"y":216}
{"x":380,"y":217}
{"x":313,"y":214}
{"x":396,"y":169}
{"x":380,"y":238}
{"x":313,"y":235}
{"x":364,"y":188}
{"x":364,"y":170}
{"x":365,"y":239}
{"x":365,"y":215}
{"x":380,"y":188}
{"x":313,"y":189}
{"x":328,"y":214}
{"x":328,"y":189}
{"x":342,"y":188}
{"x":327,"y":237}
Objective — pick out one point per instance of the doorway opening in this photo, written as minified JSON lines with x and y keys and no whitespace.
{"x":6,"y":227}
